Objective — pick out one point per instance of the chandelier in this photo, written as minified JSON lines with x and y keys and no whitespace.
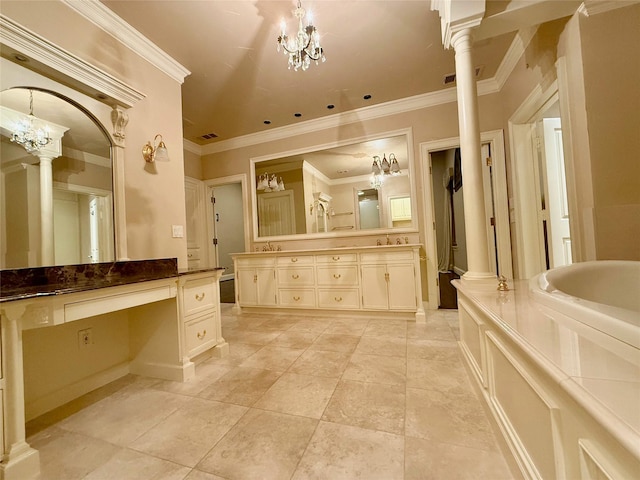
{"x":26,"y":134}
{"x":304,"y":46}
{"x":269,"y":183}
{"x":383,"y":167}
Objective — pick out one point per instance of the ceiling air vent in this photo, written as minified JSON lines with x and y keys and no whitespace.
{"x":208,"y":136}
{"x":451,"y":78}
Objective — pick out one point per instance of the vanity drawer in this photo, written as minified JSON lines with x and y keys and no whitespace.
{"x":374,"y":257}
{"x":338,"y":276}
{"x":255,"y":262}
{"x":338,"y":298}
{"x":294,"y":276}
{"x":337,"y":258}
{"x":199,"y":295}
{"x":295,"y":260}
{"x":200,"y":334}
{"x":297,"y":297}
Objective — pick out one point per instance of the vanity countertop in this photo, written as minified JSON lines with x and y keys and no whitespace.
{"x":24,"y":283}
{"x":329,"y":249}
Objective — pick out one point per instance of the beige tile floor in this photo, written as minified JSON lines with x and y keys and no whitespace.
{"x":297,"y":398}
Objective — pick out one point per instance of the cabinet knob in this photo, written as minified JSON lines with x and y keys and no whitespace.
{"x":295,"y":276}
{"x":337,"y":275}
{"x":297,"y":299}
{"x":255,"y":279}
{"x":200,"y":297}
{"x":386,"y":276}
{"x":294,"y":259}
{"x":336,"y":258}
{"x":337,"y":299}
{"x":202,"y":335}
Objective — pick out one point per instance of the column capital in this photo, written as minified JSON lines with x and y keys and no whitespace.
{"x":458,"y":15}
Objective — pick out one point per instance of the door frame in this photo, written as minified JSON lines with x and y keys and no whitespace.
{"x":495,"y":139}
{"x":246,"y":218}
{"x":522,"y":124}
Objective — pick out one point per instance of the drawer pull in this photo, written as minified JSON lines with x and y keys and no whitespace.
{"x":294,"y":259}
{"x":189,"y":255}
{"x":386,"y":277}
{"x":337,"y":299}
{"x":336,"y":258}
{"x":200,"y":297}
{"x":255,"y":279}
{"x":337,"y":275}
{"x":202,"y":335}
{"x":297,"y":299}
{"x":295,"y":276}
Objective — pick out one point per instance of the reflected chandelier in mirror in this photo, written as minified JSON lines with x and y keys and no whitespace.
{"x":56,"y":200}
{"x":335,"y":190}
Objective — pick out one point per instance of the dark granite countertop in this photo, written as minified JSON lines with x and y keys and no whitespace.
{"x":189,"y":271}
{"x":22,"y":283}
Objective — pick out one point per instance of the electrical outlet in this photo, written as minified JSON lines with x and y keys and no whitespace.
{"x":85,"y":338}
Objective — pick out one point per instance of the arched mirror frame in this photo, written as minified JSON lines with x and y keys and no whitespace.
{"x":53,"y":68}
{"x":408,"y":132}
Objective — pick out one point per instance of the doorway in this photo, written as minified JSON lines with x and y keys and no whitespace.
{"x":227,"y":227}
{"x":541,"y":198}
{"x":452,"y":252}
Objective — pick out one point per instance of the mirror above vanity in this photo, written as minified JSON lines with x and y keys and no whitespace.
{"x":350,"y":188}
{"x":57,"y":200}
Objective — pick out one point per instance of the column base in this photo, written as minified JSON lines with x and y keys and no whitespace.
{"x":25,"y":464}
{"x":480,"y":278}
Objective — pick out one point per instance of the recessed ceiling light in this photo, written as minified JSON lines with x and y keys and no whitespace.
{"x":330,"y":106}
{"x":101,"y":96}
{"x":297,"y":114}
{"x":267,"y":122}
{"x":20,"y":58}
{"x":367,"y":97}
{"x":342,"y":171}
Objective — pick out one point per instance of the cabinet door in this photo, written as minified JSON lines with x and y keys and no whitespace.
{"x":402,"y":287}
{"x":247,"y":281}
{"x":374,"y":287}
{"x":266,"y":286}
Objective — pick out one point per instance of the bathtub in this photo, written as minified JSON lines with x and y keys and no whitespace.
{"x":603,"y":294}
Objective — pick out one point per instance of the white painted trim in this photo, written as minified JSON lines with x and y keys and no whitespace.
{"x":512,"y":57}
{"x":107,"y":20}
{"x":192,"y":147}
{"x":594,"y":7}
{"x":495,"y":139}
{"x":34,"y":46}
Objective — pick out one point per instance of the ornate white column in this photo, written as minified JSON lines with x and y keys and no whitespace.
{"x":474,"y":216}
{"x":46,"y":156}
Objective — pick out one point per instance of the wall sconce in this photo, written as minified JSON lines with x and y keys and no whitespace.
{"x":151,"y":153}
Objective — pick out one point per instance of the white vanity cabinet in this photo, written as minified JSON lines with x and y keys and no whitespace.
{"x":199,"y":301}
{"x":384,"y":278}
{"x":255,"y":281}
{"x":389,"y":280}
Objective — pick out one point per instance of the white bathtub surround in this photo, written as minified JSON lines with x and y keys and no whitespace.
{"x":565,"y":394}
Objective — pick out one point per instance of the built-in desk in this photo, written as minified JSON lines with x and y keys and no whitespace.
{"x":175,"y":317}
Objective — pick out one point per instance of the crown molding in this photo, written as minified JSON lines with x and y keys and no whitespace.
{"x":594,"y":7}
{"x":332,"y":121}
{"x":107,"y":20}
{"x":514,"y":53}
{"x":192,"y":147}
{"x":26,"y":42}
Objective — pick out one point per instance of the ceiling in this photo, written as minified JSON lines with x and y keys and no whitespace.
{"x":386,"y":49}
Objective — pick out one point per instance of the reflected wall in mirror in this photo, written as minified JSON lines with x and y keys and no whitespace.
{"x":56,"y":197}
{"x":336,"y":191}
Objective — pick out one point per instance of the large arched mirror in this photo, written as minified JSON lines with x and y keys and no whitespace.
{"x":56,"y":195}
{"x":347,"y":189}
